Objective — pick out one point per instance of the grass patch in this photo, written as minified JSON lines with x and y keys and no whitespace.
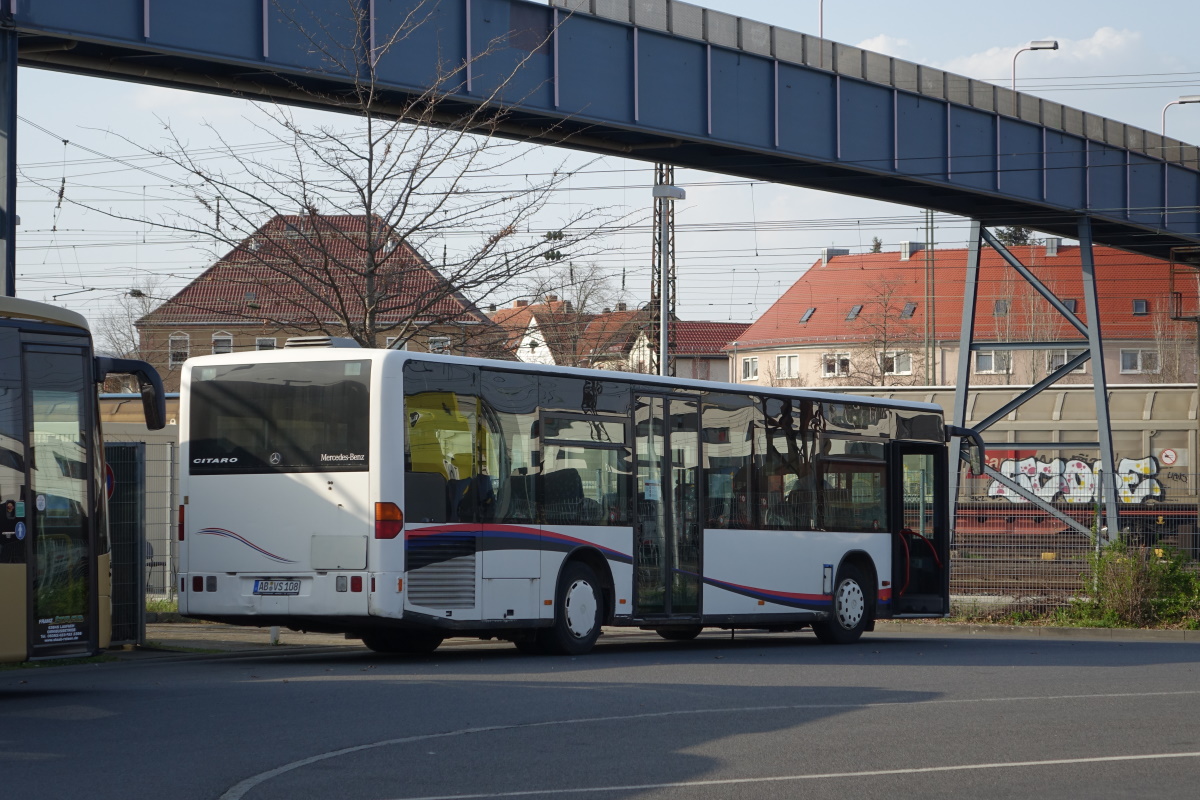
{"x":162,"y":605}
{"x":174,"y":649}
{"x":1138,"y":587}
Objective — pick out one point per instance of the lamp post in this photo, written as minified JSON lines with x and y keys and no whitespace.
{"x":1042,"y":44}
{"x":667,"y":194}
{"x":1187,"y":98}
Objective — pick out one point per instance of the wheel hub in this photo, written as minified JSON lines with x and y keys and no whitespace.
{"x":849,"y":604}
{"x":580,"y":609}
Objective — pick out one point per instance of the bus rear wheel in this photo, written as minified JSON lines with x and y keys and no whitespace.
{"x":851,"y":609}
{"x":578,"y":614}
{"x":407,"y":643}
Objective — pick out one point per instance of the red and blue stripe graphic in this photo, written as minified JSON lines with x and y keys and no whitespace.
{"x":424,"y":546}
{"x":237,"y":537}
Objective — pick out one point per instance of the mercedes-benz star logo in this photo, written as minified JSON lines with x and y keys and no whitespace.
{"x":276,"y":459}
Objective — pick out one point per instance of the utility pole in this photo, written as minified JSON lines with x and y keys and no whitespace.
{"x":662,"y":269}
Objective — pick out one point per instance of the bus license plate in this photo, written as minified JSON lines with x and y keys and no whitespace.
{"x":277,"y":587}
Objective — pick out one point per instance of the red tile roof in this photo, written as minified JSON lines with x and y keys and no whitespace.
{"x":300,"y":271}
{"x":704,"y":338}
{"x":834,"y":288}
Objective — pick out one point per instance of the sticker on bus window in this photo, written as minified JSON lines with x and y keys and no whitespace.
{"x":20,"y":531}
{"x":353,"y":368}
{"x":40,"y":503}
{"x":20,"y":512}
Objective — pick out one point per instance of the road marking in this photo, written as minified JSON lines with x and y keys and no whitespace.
{"x":790,"y":778}
{"x":240,"y":789}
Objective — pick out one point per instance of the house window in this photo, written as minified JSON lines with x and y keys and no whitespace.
{"x":835,"y":365}
{"x":439,"y":344}
{"x":391,"y":340}
{"x":807,"y":314}
{"x":1141,"y":308}
{"x":1057,"y":358}
{"x":222,"y":343}
{"x":1139,"y":362}
{"x":750,"y":368}
{"x":787,"y":366}
{"x":1000,"y":308}
{"x":993,"y":362}
{"x":854,"y":312}
{"x":896,"y":363}
{"x":265,"y":343}
{"x":908,"y":310}
{"x":1071,"y":305}
{"x":178,"y":348}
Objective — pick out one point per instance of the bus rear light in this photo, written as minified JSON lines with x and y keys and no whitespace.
{"x":389,"y":520}
{"x":181,"y":522}
{"x":372,"y":584}
{"x":356,"y":583}
{"x":399,"y":584}
{"x":340,"y":583}
{"x":197,"y":583}
{"x":182,"y":585}
{"x":210,"y":583}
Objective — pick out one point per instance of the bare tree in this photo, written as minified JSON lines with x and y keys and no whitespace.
{"x":114,"y":330}
{"x":887,"y":354}
{"x":424,"y":179}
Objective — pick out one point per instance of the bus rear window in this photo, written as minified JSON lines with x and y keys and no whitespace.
{"x":284,"y":417}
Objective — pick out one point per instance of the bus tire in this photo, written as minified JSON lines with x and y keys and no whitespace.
{"x":679,"y":634}
{"x":851,"y":609}
{"x":409,"y":643}
{"x":578,"y":612}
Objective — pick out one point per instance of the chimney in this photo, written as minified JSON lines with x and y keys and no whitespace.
{"x":1052,"y":245}
{"x":829,"y":252}
{"x":569,"y":306}
{"x":520,"y":303}
{"x":607,"y":311}
{"x":492,"y":308}
{"x":551,"y":298}
{"x":909,"y":249}
{"x":622,"y":307}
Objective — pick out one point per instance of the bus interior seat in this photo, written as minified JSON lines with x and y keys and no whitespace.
{"x":563,"y":495}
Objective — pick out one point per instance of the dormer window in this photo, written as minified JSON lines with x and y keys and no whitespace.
{"x":1141,"y":308}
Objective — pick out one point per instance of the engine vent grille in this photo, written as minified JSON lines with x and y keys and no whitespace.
{"x":445,"y":584}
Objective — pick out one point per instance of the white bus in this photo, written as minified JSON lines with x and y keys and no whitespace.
{"x":404,"y":498}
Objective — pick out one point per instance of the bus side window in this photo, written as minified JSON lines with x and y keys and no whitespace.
{"x":508,"y":446}
{"x":727,"y":435}
{"x":441,"y":403}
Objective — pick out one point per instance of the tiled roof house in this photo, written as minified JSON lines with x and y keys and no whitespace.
{"x":299,"y":275}
{"x":874,"y":318}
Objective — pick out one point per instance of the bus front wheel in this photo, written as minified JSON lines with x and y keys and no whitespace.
{"x":578,"y":613}
{"x":851,"y":609}
{"x":409,"y":643}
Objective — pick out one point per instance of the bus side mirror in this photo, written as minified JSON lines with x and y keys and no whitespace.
{"x":154,"y":399}
{"x":969,"y":451}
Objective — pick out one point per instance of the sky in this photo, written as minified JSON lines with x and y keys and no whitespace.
{"x":740,"y":243}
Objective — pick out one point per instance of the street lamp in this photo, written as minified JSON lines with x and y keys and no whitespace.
{"x":1187,"y":98}
{"x":1043,"y":44}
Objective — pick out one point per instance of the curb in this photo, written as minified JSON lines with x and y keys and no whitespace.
{"x":1041,"y":631}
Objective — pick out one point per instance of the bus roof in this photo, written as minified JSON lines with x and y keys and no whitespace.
{"x":376,"y":354}
{"x":16,"y":308}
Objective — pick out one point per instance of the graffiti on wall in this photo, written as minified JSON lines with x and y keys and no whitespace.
{"x":1073,"y":480}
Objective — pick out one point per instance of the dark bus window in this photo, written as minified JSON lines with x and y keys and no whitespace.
{"x":785,"y":496}
{"x":727,"y":431}
{"x":853,"y":489}
{"x":287,"y":417}
{"x":583,"y":396}
{"x":584,"y":485}
{"x":859,"y":418}
{"x":578,"y":429}
{"x":443,"y":482}
{"x":508,"y":414}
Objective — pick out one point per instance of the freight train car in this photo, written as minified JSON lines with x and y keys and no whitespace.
{"x":1154,"y":433}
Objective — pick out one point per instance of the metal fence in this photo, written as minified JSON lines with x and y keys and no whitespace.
{"x":1009,"y":554}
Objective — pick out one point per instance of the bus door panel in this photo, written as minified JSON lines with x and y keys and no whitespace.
{"x":920,"y":535}
{"x":667,"y":525}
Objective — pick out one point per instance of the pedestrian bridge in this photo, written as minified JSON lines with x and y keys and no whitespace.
{"x":662,"y":81}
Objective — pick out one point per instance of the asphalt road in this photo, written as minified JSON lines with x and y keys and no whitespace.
{"x":928,"y":713}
